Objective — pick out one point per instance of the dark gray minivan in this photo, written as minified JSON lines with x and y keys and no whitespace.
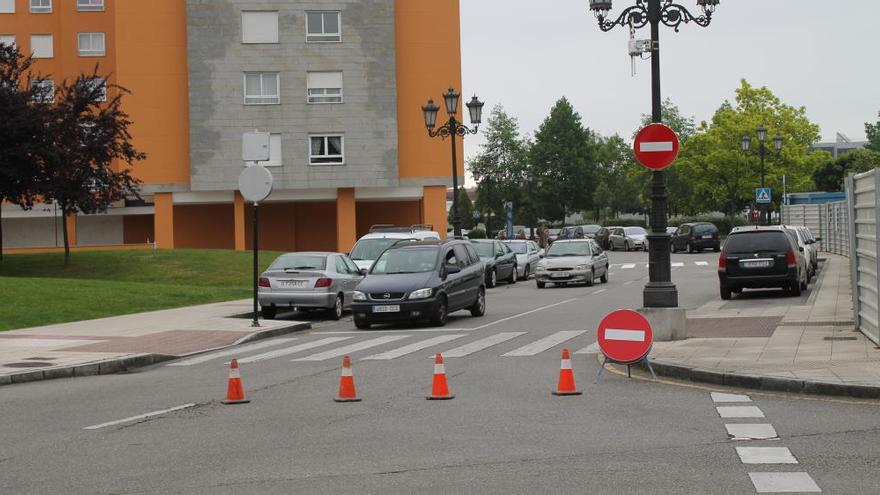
{"x":763,"y":257}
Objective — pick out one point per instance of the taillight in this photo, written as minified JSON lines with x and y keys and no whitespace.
{"x":791,"y":259}
{"x":264,"y":282}
{"x":722,"y":262}
{"x":323,"y":282}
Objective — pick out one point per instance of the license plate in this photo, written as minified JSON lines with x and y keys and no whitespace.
{"x":559,"y":275}
{"x":291,"y":284}
{"x":757,"y":264}
{"x":386,"y":309}
{"x":707,"y":237}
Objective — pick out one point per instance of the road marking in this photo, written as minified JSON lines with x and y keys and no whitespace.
{"x":721,"y":397}
{"x":542,"y":308}
{"x":628,"y":266}
{"x":751,"y":431}
{"x":628,"y":282}
{"x":655,"y":146}
{"x":765,"y":455}
{"x":481,"y":344}
{"x":291,"y":350}
{"x":139,"y":416}
{"x":627,"y":335}
{"x":590,"y":349}
{"x":241,"y":349}
{"x":784,"y":483}
{"x":740,"y":412}
{"x":599,"y":291}
{"x":701,"y":263}
{"x":544,"y":344}
{"x":677,"y":264}
{"x":341,"y":351}
{"x":407,"y":349}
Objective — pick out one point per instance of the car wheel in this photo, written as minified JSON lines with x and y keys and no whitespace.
{"x":611,"y":246}
{"x":269,"y":312}
{"x":440,"y":314}
{"x":689,"y":248}
{"x":526,"y":273}
{"x":725,"y":293}
{"x":626,"y":246}
{"x":716,"y":248}
{"x":794,"y":290}
{"x":592,"y":278}
{"x":671,"y":247}
{"x":604,"y":277}
{"x":362,"y":325}
{"x":804,"y":284}
{"x":479,"y":307}
{"x":336,"y":310}
{"x":512,"y":278}
{"x":540,"y":284}
{"x":492,"y":279}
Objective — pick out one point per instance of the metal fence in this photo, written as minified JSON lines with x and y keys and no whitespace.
{"x":862,"y":192}
{"x":828,"y":222}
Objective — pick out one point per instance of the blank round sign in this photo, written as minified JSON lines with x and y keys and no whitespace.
{"x":255,"y":183}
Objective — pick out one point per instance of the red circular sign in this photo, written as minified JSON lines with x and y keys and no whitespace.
{"x":656,"y":146}
{"x":625,"y":336}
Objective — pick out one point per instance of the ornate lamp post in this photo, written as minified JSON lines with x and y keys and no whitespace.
{"x":452,"y":128}
{"x":659,"y":292}
{"x":762,"y":152}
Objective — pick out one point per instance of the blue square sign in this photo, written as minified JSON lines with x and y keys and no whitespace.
{"x":763,"y":195}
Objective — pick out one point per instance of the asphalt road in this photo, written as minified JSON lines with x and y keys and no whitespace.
{"x":503,"y":433}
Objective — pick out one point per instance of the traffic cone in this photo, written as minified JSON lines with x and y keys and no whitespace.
{"x":234,"y":389}
{"x":439,"y":390}
{"x":347,"y":392}
{"x":566,"y":377}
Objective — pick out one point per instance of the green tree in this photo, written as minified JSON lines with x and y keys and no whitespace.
{"x":619,"y":186}
{"x":830,"y":176}
{"x":465,"y":210}
{"x":873,"y":133}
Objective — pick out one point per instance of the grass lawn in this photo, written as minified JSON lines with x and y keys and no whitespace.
{"x":38,"y":290}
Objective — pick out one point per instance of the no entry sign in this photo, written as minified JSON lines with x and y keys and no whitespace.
{"x":656,"y":146}
{"x":625,"y":336}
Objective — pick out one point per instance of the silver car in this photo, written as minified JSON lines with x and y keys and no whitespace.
{"x":572,"y":261}
{"x":628,"y":238}
{"x":528,"y":254}
{"x":310,"y":280}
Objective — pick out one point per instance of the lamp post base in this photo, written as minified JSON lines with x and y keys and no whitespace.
{"x":660,"y":295}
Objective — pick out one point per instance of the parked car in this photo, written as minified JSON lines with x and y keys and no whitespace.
{"x":805,"y":247}
{"x":381,"y":237}
{"x":761,"y":257}
{"x":695,"y":237}
{"x":572,"y":261}
{"x":500,"y":261}
{"x":308,"y":280}
{"x":814,"y":249}
{"x":587,"y":231}
{"x":528,"y":254}
{"x":553,"y":234}
{"x":566,"y":233}
{"x":425,"y":280}
{"x":603,"y":236}
{"x":628,"y":238}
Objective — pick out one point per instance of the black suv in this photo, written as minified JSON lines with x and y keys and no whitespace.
{"x":423,"y":280}
{"x":763,"y":257}
{"x":695,"y":237}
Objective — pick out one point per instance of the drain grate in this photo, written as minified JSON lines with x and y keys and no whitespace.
{"x":29,"y":364}
{"x":840,"y":338}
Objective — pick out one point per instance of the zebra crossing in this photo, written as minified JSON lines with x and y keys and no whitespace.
{"x":323,"y":347}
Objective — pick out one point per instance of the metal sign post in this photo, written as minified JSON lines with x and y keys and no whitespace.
{"x":625,"y":337}
{"x":255,"y":185}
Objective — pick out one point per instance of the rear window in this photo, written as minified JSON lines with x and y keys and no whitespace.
{"x":299,"y":262}
{"x":705,"y":229}
{"x":518,"y":247}
{"x":635,"y":231}
{"x":752,"y":242}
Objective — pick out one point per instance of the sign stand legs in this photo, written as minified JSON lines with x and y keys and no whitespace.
{"x":628,"y":367}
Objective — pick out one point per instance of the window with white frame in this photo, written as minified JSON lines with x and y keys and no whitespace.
{"x":325,"y":87}
{"x":42,"y":46}
{"x":41,"y":6}
{"x":100,"y":84}
{"x":44,"y":90}
{"x":7,"y":6}
{"x":91,"y":44}
{"x":324,"y":26}
{"x":261,"y":88}
{"x":7,"y":39}
{"x":326,"y":150}
{"x":259,"y":27}
{"x":89,"y":5}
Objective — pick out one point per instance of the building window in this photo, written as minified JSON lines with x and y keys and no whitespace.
{"x":42,"y":46}
{"x":324,"y":26}
{"x":44,"y":90}
{"x":100,"y":84}
{"x":7,"y":39}
{"x":326,"y":150}
{"x":259,"y":27}
{"x":261,"y":88}
{"x":7,"y":6}
{"x":91,"y":44}
{"x":41,"y":6}
{"x":274,"y":151}
{"x":89,"y":5}
{"x":325,"y":87}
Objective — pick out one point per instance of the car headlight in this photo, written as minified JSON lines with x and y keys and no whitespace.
{"x":358,"y":296}
{"x":540,"y":268}
{"x":421,"y":294}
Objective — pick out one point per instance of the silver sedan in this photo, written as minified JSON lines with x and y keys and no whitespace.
{"x":572,"y":261}
{"x":311,"y":280}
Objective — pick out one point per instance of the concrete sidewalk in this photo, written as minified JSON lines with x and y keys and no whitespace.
{"x":111,"y":345}
{"x":770,"y":341}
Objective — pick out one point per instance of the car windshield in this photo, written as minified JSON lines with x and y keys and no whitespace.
{"x":591,"y":229}
{"x":406,"y":261}
{"x":754,"y":242}
{"x":370,"y":249}
{"x":634,"y":231}
{"x":560,"y":249}
{"x":518,"y":247}
{"x":704,"y":229}
{"x":295,"y":261}
{"x":485,"y":249}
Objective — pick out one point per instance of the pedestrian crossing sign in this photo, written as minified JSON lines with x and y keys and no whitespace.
{"x":763,"y":195}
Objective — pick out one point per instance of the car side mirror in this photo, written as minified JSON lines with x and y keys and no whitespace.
{"x":451,"y":269}
{"x":801,"y":249}
{"x":363,"y":272}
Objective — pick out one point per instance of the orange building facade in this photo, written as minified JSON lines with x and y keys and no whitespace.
{"x":348,"y":161}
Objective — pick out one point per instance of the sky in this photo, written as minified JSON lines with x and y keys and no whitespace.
{"x":526,"y":54}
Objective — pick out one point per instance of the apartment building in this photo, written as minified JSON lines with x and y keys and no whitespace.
{"x":337,"y":83}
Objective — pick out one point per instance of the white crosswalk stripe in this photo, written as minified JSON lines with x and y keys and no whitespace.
{"x":417,"y":346}
{"x":677,"y":264}
{"x":544,"y":344}
{"x":628,"y":266}
{"x":590,"y":349}
{"x":479,"y":345}
{"x":784,"y":483}
{"x":701,"y":263}
{"x":235,"y":350}
{"x":349,"y":349}
{"x":291,"y":350}
{"x":765,"y":455}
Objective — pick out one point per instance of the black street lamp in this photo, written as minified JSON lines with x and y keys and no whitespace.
{"x":659,"y":292}
{"x":452,"y":128}
{"x":762,"y":152}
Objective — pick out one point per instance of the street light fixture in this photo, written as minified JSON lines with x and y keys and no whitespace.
{"x":659,"y":292}
{"x":761,"y":132}
{"x":450,"y":129}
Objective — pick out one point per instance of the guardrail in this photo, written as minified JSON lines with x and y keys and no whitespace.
{"x":862,"y":192}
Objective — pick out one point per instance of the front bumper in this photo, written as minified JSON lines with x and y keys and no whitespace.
{"x":298,"y":299}
{"x":569,"y":276}
{"x":421,"y":309}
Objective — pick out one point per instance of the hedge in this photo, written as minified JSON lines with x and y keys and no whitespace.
{"x":724,"y":224}
{"x":477,"y":234}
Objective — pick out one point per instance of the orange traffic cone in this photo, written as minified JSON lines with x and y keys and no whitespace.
{"x":347,"y":393}
{"x":234,"y":390}
{"x":439,"y":391}
{"x":566,"y":377}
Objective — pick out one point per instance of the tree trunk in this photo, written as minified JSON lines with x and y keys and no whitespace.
{"x":66,"y":241}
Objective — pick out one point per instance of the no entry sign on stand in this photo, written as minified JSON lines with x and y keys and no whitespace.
{"x":656,"y":146}
{"x":625,"y":336}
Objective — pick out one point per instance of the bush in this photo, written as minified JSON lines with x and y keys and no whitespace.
{"x":625,"y":222}
{"x":724,"y":224}
{"x":477,"y":234}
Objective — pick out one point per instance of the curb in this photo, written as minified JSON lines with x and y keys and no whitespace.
{"x":127,"y":363}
